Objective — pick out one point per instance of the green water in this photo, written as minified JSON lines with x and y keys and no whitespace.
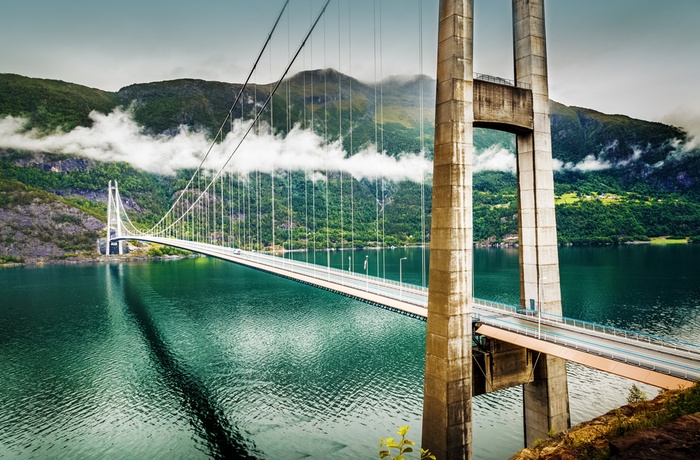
{"x":200,"y":358}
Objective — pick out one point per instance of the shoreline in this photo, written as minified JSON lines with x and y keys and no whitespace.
{"x":139,"y":257}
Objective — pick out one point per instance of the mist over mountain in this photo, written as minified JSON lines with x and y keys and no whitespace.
{"x":326,"y":121}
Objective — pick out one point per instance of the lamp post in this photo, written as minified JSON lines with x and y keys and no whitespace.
{"x":539,"y":307}
{"x":349,"y":266}
{"x":401,"y":278}
{"x":367,"y":273}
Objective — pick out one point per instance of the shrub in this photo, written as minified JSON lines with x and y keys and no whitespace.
{"x":636,"y":395}
{"x":403,"y":447}
{"x":10,"y":260}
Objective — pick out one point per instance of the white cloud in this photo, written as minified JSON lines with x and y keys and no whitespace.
{"x":495,"y":158}
{"x":636,"y":156}
{"x":117,"y":137}
{"x":688,"y":118}
{"x":590,"y":163}
{"x":114,"y":137}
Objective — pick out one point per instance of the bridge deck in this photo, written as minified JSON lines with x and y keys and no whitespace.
{"x":587,"y":359}
{"x":664,"y":363}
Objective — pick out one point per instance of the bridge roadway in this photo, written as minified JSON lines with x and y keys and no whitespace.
{"x":658,"y":361}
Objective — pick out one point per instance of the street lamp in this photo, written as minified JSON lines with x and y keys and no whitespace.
{"x":367,"y":272}
{"x":401,"y":277}
{"x":539,"y":308}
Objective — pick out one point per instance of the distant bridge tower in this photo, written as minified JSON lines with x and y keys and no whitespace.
{"x":113,"y":219}
{"x":522,"y":108}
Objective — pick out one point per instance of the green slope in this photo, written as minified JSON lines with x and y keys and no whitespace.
{"x":51,"y":104}
{"x":657,"y":191}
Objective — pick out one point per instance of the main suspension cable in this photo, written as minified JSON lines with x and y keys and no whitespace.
{"x":265,"y":104}
{"x":230,"y":112}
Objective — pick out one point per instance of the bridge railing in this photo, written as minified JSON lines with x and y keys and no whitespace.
{"x":501,"y":81}
{"x":617,"y":354}
{"x":390,"y":288}
{"x":626,"y":334}
{"x":496,"y":305}
{"x":344,"y":277}
{"x":609,"y":331}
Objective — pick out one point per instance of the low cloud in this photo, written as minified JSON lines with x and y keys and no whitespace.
{"x":117,"y":137}
{"x":590,"y":163}
{"x":636,"y":156}
{"x":114,"y":137}
{"x":689,"y":119}
{"x":495,"y":158}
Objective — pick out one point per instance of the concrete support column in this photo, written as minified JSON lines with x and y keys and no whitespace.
{"x":546,"y":400}
{"x":108,"y":243}
{"x":448,"y":391}
{"x":117,"y":218}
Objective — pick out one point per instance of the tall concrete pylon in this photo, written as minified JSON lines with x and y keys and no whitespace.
{"x":523,"y":109}
{"x":447,"y":411}
{"x":546,"y":401}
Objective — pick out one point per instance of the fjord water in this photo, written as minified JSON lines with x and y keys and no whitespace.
{"x":199,"y":358}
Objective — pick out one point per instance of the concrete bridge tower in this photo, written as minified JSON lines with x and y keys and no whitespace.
{"x":522,"y":108}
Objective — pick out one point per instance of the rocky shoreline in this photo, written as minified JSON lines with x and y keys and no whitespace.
{"x":665,"y":428}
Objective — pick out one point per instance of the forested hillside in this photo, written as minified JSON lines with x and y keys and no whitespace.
{"x":616,"y":179}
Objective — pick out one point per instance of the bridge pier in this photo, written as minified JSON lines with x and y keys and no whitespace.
{"x":448,"y":362}
{"x":522,"y":109}
{"x":546,"y":400}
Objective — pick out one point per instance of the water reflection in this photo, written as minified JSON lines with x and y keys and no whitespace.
{"x":206,"y":417}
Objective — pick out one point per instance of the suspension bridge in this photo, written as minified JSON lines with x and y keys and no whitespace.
{"x":228,"y":211}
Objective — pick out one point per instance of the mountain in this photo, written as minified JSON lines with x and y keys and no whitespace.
{"x":51,"y":104}
{"x":617,"y":178}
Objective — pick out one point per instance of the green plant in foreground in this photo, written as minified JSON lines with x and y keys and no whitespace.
{"x":404,"y":447}
{"x":636,"y":395}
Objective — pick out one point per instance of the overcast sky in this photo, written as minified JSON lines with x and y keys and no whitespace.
{"x":635,"y":57}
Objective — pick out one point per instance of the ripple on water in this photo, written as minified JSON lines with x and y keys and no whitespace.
{"x":189,"y":350}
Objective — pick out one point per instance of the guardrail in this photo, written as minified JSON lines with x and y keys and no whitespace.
{"x":691,"y":349}
{"x":409,"y":293}
{"x":596,"y":348}
{"x":501,"y":81}
{"x":627,"y":334}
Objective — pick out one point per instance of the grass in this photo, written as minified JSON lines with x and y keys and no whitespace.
{"x":567,"y":198}
{"x":665,"y":241}
{"x":610,"y":199}
{"x":10,"y":260}
{"x":158,"y":250}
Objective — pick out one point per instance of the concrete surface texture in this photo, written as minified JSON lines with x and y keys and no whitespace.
{"x":447,"y":401}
